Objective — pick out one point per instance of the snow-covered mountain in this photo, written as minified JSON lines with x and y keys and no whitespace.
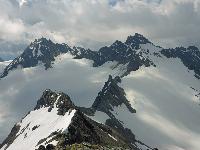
{"x":44,"y":51}
{"x":135,"y":52}
{"x":156,"y":101}
{"x":56,"y":123}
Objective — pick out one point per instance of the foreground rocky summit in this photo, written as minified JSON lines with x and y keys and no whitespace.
{"x":56,"y":123}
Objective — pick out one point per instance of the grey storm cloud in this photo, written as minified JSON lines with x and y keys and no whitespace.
{"x":95,"y":23}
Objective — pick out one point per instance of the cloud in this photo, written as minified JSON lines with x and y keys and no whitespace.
{"x":9,"y":49}
{"x":94,"y":23}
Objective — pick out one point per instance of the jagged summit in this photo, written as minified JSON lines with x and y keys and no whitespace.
{"x":132,"y":40}
{"x":111,"y":96}
{"x":118,"y":44}
{"x":136,"y":40}
{"x":60,"y":101}
{"x":42,"y":40}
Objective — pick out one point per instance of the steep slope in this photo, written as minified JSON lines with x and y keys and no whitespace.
{"x":56,"y":122}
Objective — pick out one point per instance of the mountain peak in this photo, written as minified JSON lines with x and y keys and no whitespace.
{"x":116,"y":43}
{"x":52,"y":100}
{"x":137,"y":39}
{"x":42,"y":40}
{"x":111,"y":96}
{"x":41,"y":50}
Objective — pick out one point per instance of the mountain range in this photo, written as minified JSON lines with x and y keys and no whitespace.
{"x":148,"y":92}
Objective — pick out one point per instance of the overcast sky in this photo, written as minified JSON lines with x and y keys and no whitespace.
{"x":95,"y":23}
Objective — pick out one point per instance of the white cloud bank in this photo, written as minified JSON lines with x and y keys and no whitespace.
{"x":93,"y":23}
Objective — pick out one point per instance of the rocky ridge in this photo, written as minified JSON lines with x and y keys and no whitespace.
{"x":80,"y":130}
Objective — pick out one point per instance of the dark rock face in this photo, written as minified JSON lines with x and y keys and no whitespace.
{"x":41,"y":147}
{"x":81,"y":130}
{"x":79,"y":52}
{"x":48,"y":147}
{"x":189,"y":56}
{"x":136,"y":40}
{"x":51,"y":99}
{"x":84,"y":130}
{"x":111,"y":96}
